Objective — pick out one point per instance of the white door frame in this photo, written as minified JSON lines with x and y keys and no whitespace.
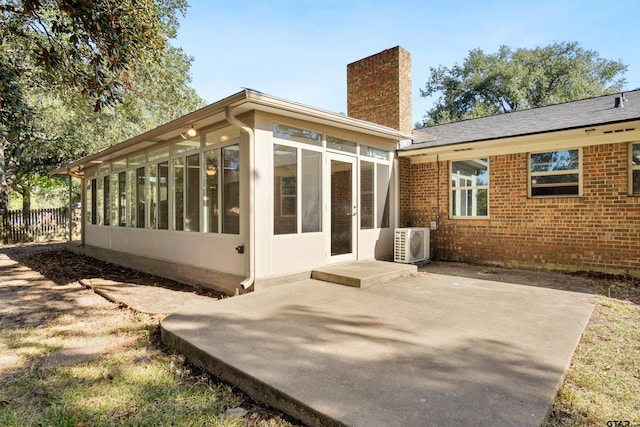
{"x":353,"y":212}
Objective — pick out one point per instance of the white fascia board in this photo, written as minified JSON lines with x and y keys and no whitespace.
{"x":283,"y":107}
{"x":574,"y":138}
{"x":241,"y":102}
{"x":160,"y":134}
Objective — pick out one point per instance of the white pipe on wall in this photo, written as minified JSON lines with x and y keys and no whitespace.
{"x":396,"y":187}
{"x":246,"y":283}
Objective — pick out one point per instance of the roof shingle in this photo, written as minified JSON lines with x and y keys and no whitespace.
{"x":569,"y":115}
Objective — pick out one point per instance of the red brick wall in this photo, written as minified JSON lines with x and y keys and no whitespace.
{"x":598,"y":231}
{"x":379,"y":89}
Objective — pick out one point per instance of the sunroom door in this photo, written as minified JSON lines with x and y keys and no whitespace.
{"x":342,"y":206}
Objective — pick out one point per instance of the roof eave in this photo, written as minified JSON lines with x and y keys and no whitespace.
{"x":250,"y":99}
{"x":454,"y":146}
{"x":178,"y":123}
{"x":328,"y":117}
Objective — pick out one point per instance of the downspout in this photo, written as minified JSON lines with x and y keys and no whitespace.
{"x":246,"y":283}
{"x":396,"y":178}
{"x":435,"y":247}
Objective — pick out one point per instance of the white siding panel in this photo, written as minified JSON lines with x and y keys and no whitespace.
{"x":213,"y":252}
{"x":186,"y":248}
{"x":219,"y":253}
{"x":119,"y":239}
{"x":137,"y":241}
{"x":159,"y":246}
{"x":91,"y":235}
{"x":263,"y":195}
{"x":375,"y":243}
{"x":297,"y":253}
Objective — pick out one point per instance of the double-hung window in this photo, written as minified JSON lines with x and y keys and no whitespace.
{"x":634,"y":169}
{"x":555,"y":173}
{"x":470,"y":188}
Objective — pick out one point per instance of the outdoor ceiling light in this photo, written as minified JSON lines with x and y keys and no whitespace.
{"x":211,"y":170}
{"x":190,"y":133}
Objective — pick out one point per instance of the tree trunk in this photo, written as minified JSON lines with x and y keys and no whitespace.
{"x":4,"y":185}
{"x":7,"y":171}
{"x":4,"y":189}
{"x":4,"y":196}
{"x":25,"y":192}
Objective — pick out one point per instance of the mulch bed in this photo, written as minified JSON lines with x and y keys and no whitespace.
{"x":63,"y":267}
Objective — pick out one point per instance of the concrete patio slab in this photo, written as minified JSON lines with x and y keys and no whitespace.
{"x":362,"y":274}
{"x":426,"y":349}
{"x":146,"y":299}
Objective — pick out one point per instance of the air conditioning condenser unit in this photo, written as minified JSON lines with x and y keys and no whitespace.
{"x":411,"y":245}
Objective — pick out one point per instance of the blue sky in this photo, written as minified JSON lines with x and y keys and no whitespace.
{"x":299,"y":50}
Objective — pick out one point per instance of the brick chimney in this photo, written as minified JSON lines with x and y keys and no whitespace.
{"x":379,"y":89}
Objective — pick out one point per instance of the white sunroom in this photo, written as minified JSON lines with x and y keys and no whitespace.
{"x":248,"y":191}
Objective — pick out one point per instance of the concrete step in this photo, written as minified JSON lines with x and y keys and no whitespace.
{"x":362,"y":274}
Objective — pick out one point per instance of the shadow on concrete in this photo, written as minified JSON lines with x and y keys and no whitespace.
{"x":436,"y":355}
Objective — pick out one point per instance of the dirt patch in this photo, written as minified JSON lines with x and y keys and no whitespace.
{"x":50,"y":324}
{"x":623,"y":287}
{"x":63,"y":267}
{"x":63,"y":319}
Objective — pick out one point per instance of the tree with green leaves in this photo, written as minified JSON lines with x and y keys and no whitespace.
{"x":68,"y":128}
{"x":511,"y":80}
{"x":62,"y":59}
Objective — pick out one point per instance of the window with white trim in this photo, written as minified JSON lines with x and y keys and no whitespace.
{"x":374,"y":194}
{"x":113,"y":199}
{"x":634,"y":169}
{"x":297,"y":175}
{"x":220,"y":181}
{"x":92,"y":198}
{"x":122,"y":199}
{"x":140,"y":199}
{"x":99,"y":201}
{"x":294,"y":134}
{"x":106,"y":206}
{"x":230,"y":156}
{"x":555,"y":173}
{"x":470,"y":188}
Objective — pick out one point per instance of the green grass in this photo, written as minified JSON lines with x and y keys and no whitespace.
{"x":603,"y":382}
{"x":141,"y":384}
{"x":138,"y":386}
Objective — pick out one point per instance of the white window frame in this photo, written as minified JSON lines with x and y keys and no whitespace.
{"x":456,"y":191}
{"x":375,"y":161}
{"x":361,"y":151}
{"x":217,"y":147}
{"x":299,"y":146}
{"x":633,"y":168}
{"x":531,"y":175}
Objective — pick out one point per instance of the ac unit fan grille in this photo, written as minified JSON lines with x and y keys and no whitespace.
{"x":411,"y":245}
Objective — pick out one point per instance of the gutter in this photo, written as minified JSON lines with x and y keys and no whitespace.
{"x":248,"y":282}
{"x":159,"y":132}
{"x":247,"y":100}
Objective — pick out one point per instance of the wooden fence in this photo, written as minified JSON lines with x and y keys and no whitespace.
{"x":39,"y":225}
